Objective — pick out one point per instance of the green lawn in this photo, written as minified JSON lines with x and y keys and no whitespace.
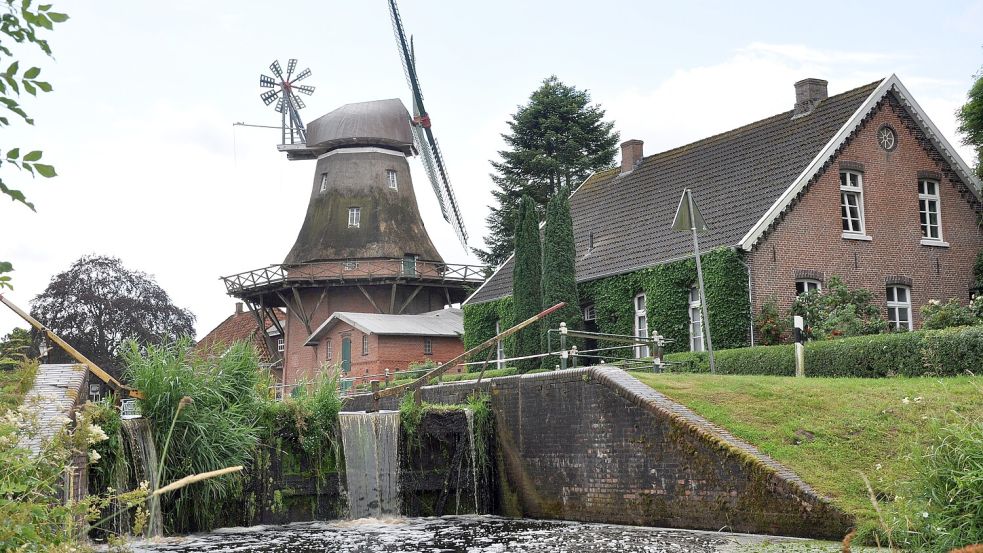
{"x":828,"y":429}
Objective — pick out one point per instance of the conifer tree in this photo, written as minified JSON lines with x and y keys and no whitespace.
{"x":559,"y":273}
{"x":527,"y":283}
{"x":555,"y":141}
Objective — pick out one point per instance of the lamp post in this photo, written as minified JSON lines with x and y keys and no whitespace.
{"x":688,"y":218}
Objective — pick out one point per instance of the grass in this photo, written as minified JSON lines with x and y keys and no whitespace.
{"x":827,"y":429}
{"x":15,"y":383}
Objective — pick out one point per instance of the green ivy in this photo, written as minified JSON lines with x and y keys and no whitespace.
{"x":666,"y":290}
{"x":479,"y":325}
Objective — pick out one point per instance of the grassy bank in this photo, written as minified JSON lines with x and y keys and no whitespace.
{"x":827,"y":429}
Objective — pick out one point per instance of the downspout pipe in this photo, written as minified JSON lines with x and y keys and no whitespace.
{"x":750,"y":303}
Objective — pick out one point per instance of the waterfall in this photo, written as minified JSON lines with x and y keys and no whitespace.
{"x":143,"y":456}
{"x":371,"y":443}
{"x":474,"y":460}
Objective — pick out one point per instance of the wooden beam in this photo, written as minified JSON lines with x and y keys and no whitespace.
{"x":392,"y":299}
{"x":409,"y":299}
{"x":368,"y":297}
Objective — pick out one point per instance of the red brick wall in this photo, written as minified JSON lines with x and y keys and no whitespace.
{"x":810,"y":236}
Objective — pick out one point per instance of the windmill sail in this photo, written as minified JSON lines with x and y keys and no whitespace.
{"x":426,"y":144}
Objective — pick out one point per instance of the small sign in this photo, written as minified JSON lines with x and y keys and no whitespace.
{"x":130,"y":409}
{"x":688,"y":215}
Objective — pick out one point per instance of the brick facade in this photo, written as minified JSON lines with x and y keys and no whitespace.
{"x":808,"y":242}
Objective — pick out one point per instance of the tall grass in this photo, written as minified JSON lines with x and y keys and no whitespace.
{"x":217,"y":430}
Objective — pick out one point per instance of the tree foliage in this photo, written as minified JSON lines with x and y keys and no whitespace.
{"x":559,"y":272}
{"x":97,"y":304}
{"x":970,"y":117}
{"x":527,"y":283}
{"x":555,"y":141}
{"x":837,"y":312}
{"x":22,"y":24}
{"x":16,"y":347}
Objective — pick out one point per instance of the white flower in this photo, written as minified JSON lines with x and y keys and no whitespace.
{"x":934,"y":302}
{"x":96,"y":434}
{"x":918,"y":399}
{"x":905,"y":400}
{"x":878,"y":466}
{"x":94,"y":456}
{"x":924,"y":514}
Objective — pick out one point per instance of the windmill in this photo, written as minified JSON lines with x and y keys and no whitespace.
{"x":288,"y":104}
{"x":423,"y":138}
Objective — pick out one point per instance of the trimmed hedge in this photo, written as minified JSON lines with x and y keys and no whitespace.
{"x":947,"y":352}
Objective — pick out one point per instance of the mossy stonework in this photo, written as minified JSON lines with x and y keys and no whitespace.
{"x":597,"y":445}
{"x":666,"y":289}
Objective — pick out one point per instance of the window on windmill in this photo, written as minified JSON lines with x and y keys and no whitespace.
{"x":354,"y":217}
{"x":351,"y":264}
{"x":365,"y":344}
{"x":280,"y":345}
{"x":391,"y":177}
{"x":324,"y":182}
{"x":428,"y":346}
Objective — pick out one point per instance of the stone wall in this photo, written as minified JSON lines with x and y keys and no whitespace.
{"x":597,"y":445}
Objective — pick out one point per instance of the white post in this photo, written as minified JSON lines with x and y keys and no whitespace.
{"x":800,"y":350}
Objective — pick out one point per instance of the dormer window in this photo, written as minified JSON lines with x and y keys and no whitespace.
{"x":324,"y":182}
{"x":391,"y":178}
{"x":354,"y":217}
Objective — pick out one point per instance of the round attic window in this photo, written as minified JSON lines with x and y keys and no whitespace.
{"x":887,"y":138}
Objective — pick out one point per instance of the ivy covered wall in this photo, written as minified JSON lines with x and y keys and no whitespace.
{"x":666,"y":290}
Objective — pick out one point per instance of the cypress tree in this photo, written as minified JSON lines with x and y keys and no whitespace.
{"x":527,"y":282}
{"x":559,"y":274}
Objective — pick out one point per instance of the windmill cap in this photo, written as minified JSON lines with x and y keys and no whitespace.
{"x":382,"y":123}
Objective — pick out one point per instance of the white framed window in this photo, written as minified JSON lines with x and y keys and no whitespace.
{"x":351,"y":264}
{"x":280,"y":346}
{"x":806,"y":285}
{"x":428,"y":346}
{"x":354,"y":217}
{"x":589,"y":313}
{"x":899,"y":307}
{"x":328,"y":350}
{"x":324,"y":182}
{"x":852,"y":203}
{"x":695,"y":320}
{"x":391,"y":179}
{"x":365,"y":344}
{"x":928,"y":209}
{"x":641,"y":325}
{"x":499,"y":347}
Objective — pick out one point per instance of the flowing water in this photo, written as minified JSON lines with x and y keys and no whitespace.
{"x":453,"y":534}
{"x":371,"y":444}
{"x":143,"y":456}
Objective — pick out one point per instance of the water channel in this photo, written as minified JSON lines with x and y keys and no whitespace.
{"x":452,"y":534}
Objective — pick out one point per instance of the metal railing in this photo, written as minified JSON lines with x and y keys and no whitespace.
{"x":354,"y":270}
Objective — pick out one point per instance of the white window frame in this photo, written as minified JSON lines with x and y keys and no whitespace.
{"x":848,"y":189}
{"x":590,"y":314}
{"x":427,"y":345}
{"x":898,"y":305}
{"x":324,"y":182}
{"x":925,"y":199}
{"x":350,"y":264}
{"x":641,"y":324}
{"x":696,"y":339}
{"x":808,"y":285}
{"x":354,"y":217}
{"x":328,"y":350}
{"x":499,"y":347}
{"x":391,"y":179}
{"x":280,"y":345}
{"x":365,"y":344}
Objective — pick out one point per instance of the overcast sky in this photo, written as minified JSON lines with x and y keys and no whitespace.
{"x":152,"y":170}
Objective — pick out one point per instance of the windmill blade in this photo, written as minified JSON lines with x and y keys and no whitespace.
{"x":406,"y":56}
{"x":275,"y":68}
{"x":279,"y":106}
{"x":269,"y":96}
{"x":296,"y":102}
{"x":266,"y":82}
{"x":304,"y":89}
{"x":447,"y":191}
{"x":291,"y":65}
{"x":420,"y":142}
{"x":301,"y":76}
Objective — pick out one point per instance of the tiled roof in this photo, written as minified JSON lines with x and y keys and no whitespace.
{"x":240,"y":327}
{"x":735,"y":176}
{"x":51,"y":400}
{"x":445,"y":322}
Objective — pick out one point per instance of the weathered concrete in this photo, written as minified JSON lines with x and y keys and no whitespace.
{"x":597,"y":445}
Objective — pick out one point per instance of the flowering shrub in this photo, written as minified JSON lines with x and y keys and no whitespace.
{"x":838,"y":312}
{"x":936,"y":315}
{"x":770,"y":324}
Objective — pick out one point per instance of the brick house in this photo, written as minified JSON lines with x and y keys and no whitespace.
{"x":859,"y":185}
{"x":367,"y":346}
{"x":244,"y":326}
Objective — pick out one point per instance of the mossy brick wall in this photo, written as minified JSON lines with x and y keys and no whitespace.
{"x":666,"y":289}
{"x":597,"y":445}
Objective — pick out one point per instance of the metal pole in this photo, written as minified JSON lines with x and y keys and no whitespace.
{"x":800,"y":350}
{"x":563,"y":346}
{"x":699,"y":277}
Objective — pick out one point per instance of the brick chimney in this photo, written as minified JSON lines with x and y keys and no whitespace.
{"x":808,"y":93}
{"x":238,"y":308}
{"x":631,"y":155}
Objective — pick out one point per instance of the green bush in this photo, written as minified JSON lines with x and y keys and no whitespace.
{"x":945,"y":352}
{"x":936,"y":315}
{"x":838,"y":312}
{"x":771,"y":326}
